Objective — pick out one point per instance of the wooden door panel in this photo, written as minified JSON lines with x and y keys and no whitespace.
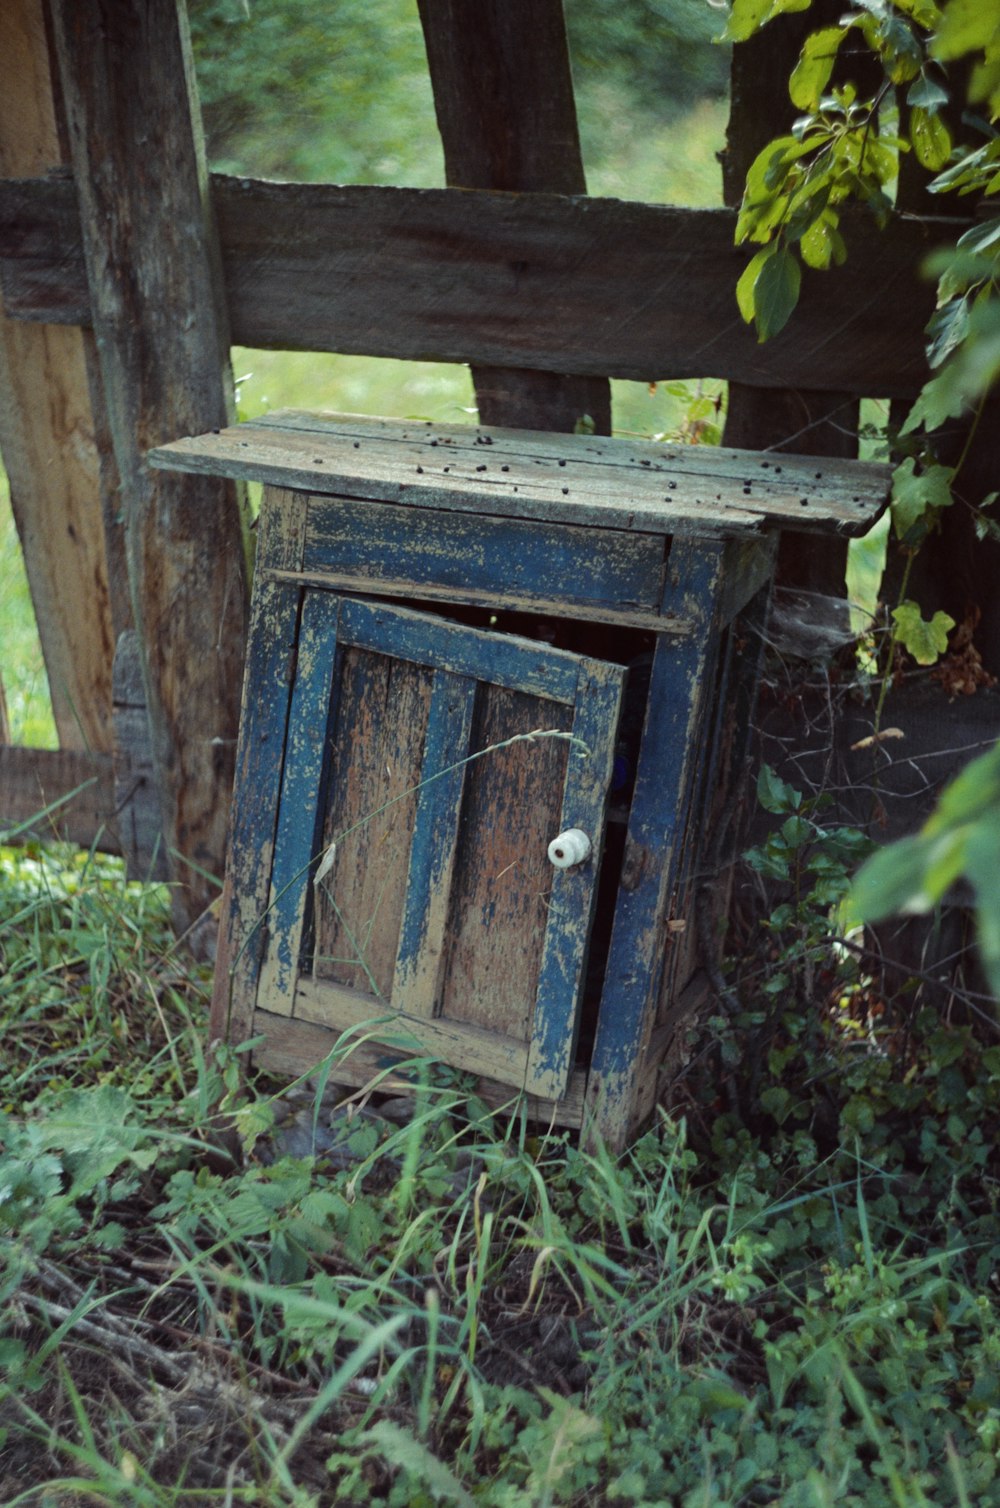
{"x":429,"y":765}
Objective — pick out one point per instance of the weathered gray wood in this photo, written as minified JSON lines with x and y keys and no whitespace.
{"x":596,"y":286}
{"x":573,"y":479}
{"x":159,"y":317}
{"x":137,"y":800}
{"x":503,"y":93}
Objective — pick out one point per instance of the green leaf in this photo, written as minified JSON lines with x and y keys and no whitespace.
{"x":931,"y":139}
{"x":924,"y":640}
{"x":748,"y":16}
{"x":926,"y":94}
{"x":891,"y":881}
{"x":774,"y":794}
{"x":917,"y":497}
{"x":941,"y":398}
{"x":822,"y":243}
{"x":946,"y":329}
{"x":813,"y":70}
{"x":982,"y":855}
{"x":966,"y":26}
{"x":745,"y":288}
{"x":775,"y":293}
{"x":973,"y":793}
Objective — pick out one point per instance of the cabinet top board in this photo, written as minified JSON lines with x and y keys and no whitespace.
{"x":639,"y":486}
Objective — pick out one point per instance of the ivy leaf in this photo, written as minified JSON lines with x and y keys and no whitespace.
{"x":941,"y":398}
{"x":925,"y":641}
{"x":931,"y":139}
{"x":813,"y":70}
{"x":917,"y":497}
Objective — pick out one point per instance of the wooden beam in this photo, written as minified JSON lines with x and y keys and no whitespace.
{"x":539,"y":281}
{"x":503,"y":93}
{"x":159,"y":317}
{"x":821,"y":421}
{"x":47,"y":437}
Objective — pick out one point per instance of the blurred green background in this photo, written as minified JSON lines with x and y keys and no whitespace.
{"x":337,"y":91}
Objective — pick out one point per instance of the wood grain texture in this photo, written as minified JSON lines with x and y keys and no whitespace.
{"x":159,"y":317}
{"x":503,"y":94}
{"x":541,"y":281}
{"x":31,"y":780}
{"x":47,"y":436}
{"x":671,"y":752}
{"x":266,"y":693}
{"x":300,"y":811}
{"x":376,"y":752}
{"x":573,"y":896}
{"x":295,"y":1046}
{"x":137,"y":797}
{"x":416,"y":985}
{"x":468,"y":557}
{"x":502,"y":876}
{"x":583,"y":480}
{"x":784,"y":418}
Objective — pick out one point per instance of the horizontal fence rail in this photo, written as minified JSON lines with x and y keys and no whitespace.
{"x":554,"y":283}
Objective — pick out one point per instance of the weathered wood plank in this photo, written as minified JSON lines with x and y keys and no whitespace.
{"x":593,"y":286}
{"x":47,"y":431}
{"x":573,"y":896}
{"x":466,"y":1046}
{"x":293,"y":1046}
{"x":420,"y":952}
{"x":266,"y":695}
{"x":467,"y":554}
{"x":137,"y":798}
{"x":376,"y":744}
{"x":127,"y":86}
{"x":502,"y":875}
{"x":32,"y":780}
{"x":682,"y":674}
{"x":501,"y":659}
{"x":300,"y":812}
{"x":574,"y":479}
{"x":503,"y":93}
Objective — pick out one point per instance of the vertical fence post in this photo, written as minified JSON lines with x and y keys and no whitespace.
{"x":805,"y":423}
{"x":161,"y":325}
{"x":503,"y":93}
{"x":47,"y":429}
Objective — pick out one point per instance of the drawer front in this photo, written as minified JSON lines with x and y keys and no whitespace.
{"x":403,"y":550}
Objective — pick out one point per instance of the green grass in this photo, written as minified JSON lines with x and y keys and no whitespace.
{"x":458,"y":1308}
{"x":21,"y":666}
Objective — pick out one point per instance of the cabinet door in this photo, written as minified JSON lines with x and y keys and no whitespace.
{"x":427,"y":768}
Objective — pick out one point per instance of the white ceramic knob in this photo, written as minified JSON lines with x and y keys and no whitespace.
{"x":571,"y":847}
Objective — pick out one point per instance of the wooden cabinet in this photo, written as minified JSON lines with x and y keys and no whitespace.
{"x":465,"y":645}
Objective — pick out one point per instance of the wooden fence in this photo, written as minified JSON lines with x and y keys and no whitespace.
{"x":126,"y":271}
